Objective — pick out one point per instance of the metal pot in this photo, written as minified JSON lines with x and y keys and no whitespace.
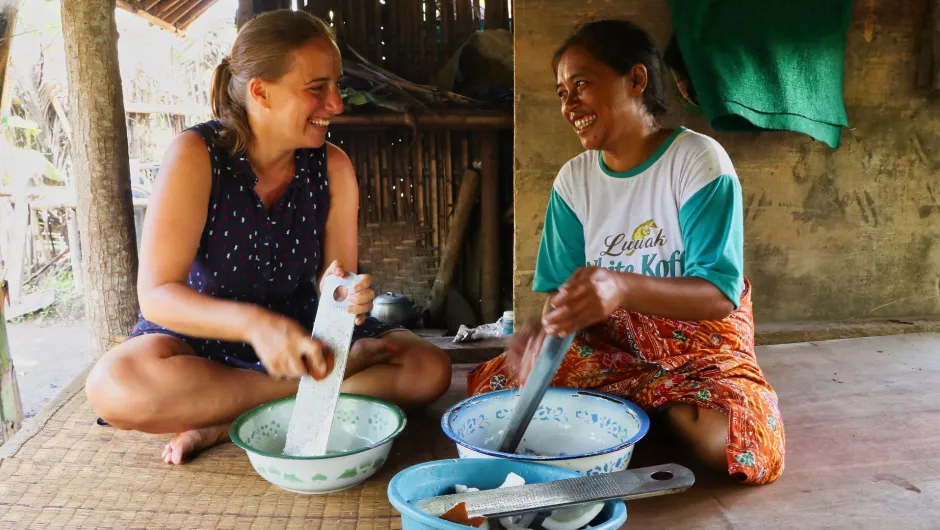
{"x":393,"y":309}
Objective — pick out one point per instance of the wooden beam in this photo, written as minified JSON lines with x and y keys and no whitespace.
{"x":185,"y":21}
{"x":167,"y":7}
{"x":156,"y":21}
{"x":489,"y":227}
{"x":174,"y":16}
{"x":101,"y":170}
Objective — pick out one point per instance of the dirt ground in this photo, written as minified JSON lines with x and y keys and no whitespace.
{"x":47,"y":356}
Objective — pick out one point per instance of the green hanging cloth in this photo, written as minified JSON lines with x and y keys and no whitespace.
{"x":763,"y":65}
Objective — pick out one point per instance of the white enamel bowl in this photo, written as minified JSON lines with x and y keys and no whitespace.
{"x":582,"y":430}
{"x":362,"y":435}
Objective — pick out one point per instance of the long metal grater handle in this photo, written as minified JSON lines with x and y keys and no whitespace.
{"x":546,"y":365}
{"x":546,"y":496}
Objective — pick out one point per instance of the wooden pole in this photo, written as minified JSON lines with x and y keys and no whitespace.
{"x":489,"y":228}
{"x":102,"y":170}
{"x":469,"y":192}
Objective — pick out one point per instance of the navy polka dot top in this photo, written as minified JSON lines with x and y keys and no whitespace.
{"x":269,"y":258}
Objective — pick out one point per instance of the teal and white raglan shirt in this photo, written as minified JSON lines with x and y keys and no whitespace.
{"x":677,"y":214}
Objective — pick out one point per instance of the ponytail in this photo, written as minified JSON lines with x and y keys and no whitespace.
{"x":228,"y":107}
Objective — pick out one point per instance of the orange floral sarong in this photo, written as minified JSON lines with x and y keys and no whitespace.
{"x":656,"y":362}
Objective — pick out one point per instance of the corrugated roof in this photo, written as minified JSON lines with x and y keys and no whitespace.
{"x":174,"y":15}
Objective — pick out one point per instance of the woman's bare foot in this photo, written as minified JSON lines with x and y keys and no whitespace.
{"x":187,"y":443}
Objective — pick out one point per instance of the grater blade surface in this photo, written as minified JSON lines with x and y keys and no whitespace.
{"x":546,"y":496}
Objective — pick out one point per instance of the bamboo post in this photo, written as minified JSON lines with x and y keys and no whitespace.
{"x":376,"y":202}
{"x":404,"y":179}
{"x":377,"y":31}
{"x":394,"y":49}
{"x":464,"y":152}
{"x":418,"y":175}
{"x":430,"y":14}
{"x":441,"y":190}
{"x":432,"y":195}
{"x":489,"y":228}
{"x":469,"y":192}
{"x":358,"y":167}
{"x":447,"y":27}
{"x":448,"y":180}
{"x":384,"y":181}
{"x":396,"y":183}
{"x":11,"y":406}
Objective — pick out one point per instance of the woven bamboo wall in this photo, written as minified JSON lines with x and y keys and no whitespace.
{"x":412,"y":38}
{"x":405,"y":212}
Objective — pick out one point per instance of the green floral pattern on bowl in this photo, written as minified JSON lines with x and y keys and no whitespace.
{"x":362,"y":434}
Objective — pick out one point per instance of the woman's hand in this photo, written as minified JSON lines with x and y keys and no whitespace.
{"x":524,"y":348}
{"x":588,"y":297}
{"x":287,"y":350}
{"x":360,"y":301}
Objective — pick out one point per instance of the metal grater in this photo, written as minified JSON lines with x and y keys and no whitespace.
{"x":312,"y":418}
{"x":628,"y":485}
{"x":540,"y":378}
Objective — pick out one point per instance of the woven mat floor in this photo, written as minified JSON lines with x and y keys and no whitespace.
{"x":69,"y":472}
{"x":862,"y":420}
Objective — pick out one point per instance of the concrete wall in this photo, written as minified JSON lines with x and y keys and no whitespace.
{"x":830,"y":234}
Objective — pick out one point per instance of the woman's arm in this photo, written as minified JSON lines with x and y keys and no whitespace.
{"x":593,"y":293}
{"x":341,"y":241}
{"x":176,"y":216}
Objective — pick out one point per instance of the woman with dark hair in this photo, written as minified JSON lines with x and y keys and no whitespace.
{"x":248,"y":214}
{"x":642,"y":256}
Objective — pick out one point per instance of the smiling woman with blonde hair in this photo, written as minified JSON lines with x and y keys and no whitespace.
{"x":248,"y":214}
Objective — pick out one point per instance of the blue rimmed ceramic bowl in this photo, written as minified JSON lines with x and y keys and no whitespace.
{"x":582,"y":430}
{"x":360,"y":440}
{"x":431,"y":479}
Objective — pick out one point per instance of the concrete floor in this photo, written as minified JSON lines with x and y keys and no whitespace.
{"x":47,"y":357}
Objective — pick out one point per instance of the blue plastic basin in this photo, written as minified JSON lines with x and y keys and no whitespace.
{"x":439,"y":477}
